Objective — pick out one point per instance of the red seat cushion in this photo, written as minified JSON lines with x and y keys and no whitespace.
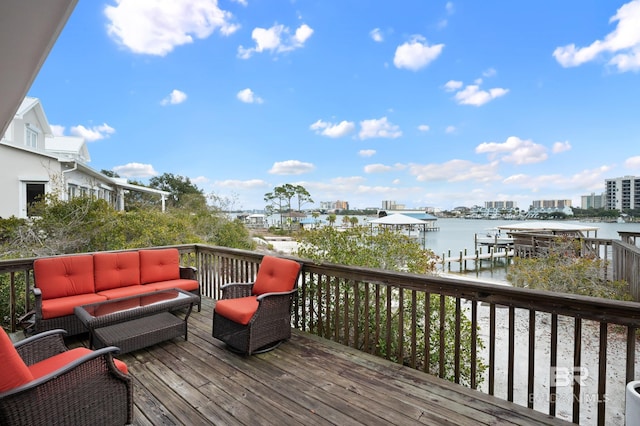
{"x":14,"y":371}
{"x":159,"y":265}
{"x":113,"y":270}
{"x":238,"y":310}
{"x":54,"y":308}
{"x":275,"y":275}
{"x":64,"y":276}
{"x":50,"y":365}
{"x":186,"y":285}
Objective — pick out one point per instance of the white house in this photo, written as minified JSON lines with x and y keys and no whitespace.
{"x":34,"y":162}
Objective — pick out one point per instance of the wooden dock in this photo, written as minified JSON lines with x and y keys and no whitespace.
{"x":307,"y":380}
{"x":477,"y":257}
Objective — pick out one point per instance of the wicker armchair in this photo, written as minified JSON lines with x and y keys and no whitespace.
{"x":256,"y":317}
{"x":45,"y":383}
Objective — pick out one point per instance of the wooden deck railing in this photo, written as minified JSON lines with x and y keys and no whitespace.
{"x":569,"y":356}
{"x":626,"y":258}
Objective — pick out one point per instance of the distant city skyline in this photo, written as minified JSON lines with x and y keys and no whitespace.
{"x":440,"y":103}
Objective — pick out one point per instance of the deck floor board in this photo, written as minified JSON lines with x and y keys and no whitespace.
{"x":307,"y":380}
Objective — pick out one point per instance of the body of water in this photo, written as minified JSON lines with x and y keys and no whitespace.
{"x":456,"y":235}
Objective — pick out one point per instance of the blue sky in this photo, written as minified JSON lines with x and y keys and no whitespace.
{"x":428,"y":103}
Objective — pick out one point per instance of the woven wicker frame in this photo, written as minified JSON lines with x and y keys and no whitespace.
{"x":90,"y":390}
{"x":271,"y":324}
{"x":72,"y":325}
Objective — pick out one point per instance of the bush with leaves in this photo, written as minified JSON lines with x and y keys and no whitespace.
{"x":565,"y":268}
{"x":84,"y":224}
{"x":390,"y":250}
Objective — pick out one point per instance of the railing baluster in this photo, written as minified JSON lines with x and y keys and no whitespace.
{"x":456,"y":350}
{"x":553,"y":363}
{"x":413,"y":337}
{"x":474,"y":348}
{"x":388,"y":322}
{"x":441,"y":352}
{"x":400,"y":344}
{"x":327,"y":306}
{"x":377,"y":333}
{"x":367,"y":318}
{"x":631,"y":355}
{"x":577,"y":363}
{"x":356,"y":315}
{"x":345,"y":320}
{"x":12,"y":300}
{"x":492,"y":348}
{"x":427,"y":333}
{"x":532,"y":357}
{"x":511,"y":362}
{"x":602,"y":373}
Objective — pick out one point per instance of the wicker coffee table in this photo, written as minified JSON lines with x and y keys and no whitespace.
{"x":133,"y":323}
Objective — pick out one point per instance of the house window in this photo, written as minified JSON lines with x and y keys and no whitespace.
{"x":31,"y":137}
{"x":35,"y":193}
{"x":72,"y":191}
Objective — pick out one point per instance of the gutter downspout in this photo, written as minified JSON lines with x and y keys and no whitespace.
{"x":64,"y":180}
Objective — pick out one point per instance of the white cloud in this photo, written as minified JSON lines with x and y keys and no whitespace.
{"x":450,"y":130}
{"x":200,"y":180}
{"x":449,"y":7}
{"x":472,"y":95}
{"x":561,"y":147}
{"x":581,"y":181}
{"x":276,"y":39}
{"x":514,"y":150}
{"x":94,"y":133}
{"x":174,"y":98}
{"x":376,"y":35}
{"x":423,"y":128}
{"x":455,"y":171}
{"x":135,"y":170}
{"x":291,"y":167}
{"x":242,"y":2}
{"x":247,"y":96}
{"x":241,"y":184}
{"x":452,"y":85}
{"x":623,"y":43}
{"x":156,"y":27}
{"x":347,"y":180}
{"x":379,"y":128}
{"x":333,"y":130}
{"x":489,"y":73}
{"x":377,"y":168}
{"x":633,"y":162}
{"x":57,"y":130}
{"x":367,"y":152}
{"x":416,"y":54}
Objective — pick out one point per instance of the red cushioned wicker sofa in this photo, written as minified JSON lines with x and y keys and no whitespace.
{"x":64,"y":282}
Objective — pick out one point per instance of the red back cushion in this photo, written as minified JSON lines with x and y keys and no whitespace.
{"x":14,"y":371}
{"x":64,"y":276}
{"x":276,"y":274}
{"x":113,"y":270}
{"x":159,"y":265}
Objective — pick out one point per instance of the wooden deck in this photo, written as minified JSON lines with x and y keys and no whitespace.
{"x":307,"y":380}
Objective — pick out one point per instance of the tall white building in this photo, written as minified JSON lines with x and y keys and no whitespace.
{"x":622,"y":193}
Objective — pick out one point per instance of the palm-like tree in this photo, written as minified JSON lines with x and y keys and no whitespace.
{"x":332,"y":219}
